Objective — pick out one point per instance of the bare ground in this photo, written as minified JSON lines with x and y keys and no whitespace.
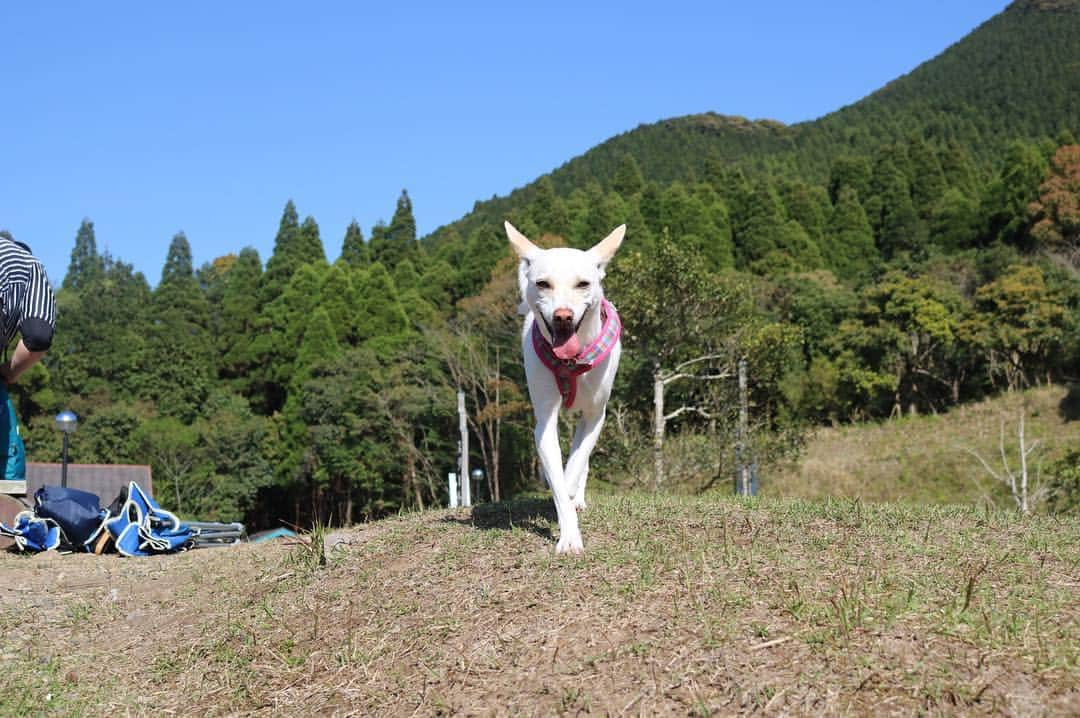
{"x":679,"y":607}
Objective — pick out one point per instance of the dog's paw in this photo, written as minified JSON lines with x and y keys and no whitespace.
{"x":579,"y":503}
{"x":570,"y":544}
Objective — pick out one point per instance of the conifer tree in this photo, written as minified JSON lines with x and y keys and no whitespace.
{"x":548,"y":212}
{"x":380,"y":235}
{"x":403,"y":224}
{"x":599,"y":212}
{"x":683,"y":213}
{"x":808,"y":205}
{"x":405,"y":276}
{"x":394,"y":242}
{"x":795,"y":243}
{"x":891,"y":212}
{"x":309,"y":245}
{"x":211,"y":280}
{"x":852,"y":171}
{"x":179,"y":369}
{"x":379,"y":310}
{"x":318,"y":344}
{"x":628,"y":180}
{"x":338,"y":298}
{"x":179,"y":266}
{"x":849,"y":240}
{"x":86,"y":266}
{"x":736,"y":192}
{"x":715,"y":172}
{"x":1005,"y":203}
{"x":278,"y":330}
{"x":697,"y":217}
{"x":764,"y":222}
{"x":959,"y":169}
{"x":101,"y":334}
{"x":650,"y":205}
{"x":927,"y":177}
{"x":178,"y":294}
{"x":285,"y":258}
{"x":954,"y":220}
{"x":354,"y":252}
{"x":239,"y":311}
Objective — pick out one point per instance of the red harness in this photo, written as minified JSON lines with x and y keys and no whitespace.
{"x":566,"y":371}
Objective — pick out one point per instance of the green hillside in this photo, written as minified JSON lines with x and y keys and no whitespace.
{"x":1017,"y":76}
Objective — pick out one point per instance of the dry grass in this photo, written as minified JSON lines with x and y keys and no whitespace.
{"x":680,"y":606}
{"x":925,"y":459}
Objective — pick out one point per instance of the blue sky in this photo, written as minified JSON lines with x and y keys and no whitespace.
{"x":150,"y":118}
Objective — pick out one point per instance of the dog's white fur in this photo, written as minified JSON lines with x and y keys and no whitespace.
{"x":553,"y":279}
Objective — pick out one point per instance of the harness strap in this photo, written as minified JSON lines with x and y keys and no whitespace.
{"x":566,"y":371}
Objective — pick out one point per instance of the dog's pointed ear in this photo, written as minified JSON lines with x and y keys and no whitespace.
{"x":521,"y":244}
{"x":605,"y":248}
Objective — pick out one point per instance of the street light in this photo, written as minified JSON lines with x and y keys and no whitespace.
{"x":477,"y":475}
{"x":66,"y":422}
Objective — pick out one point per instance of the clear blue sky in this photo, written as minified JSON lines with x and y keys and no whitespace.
{"x":150,"y":118}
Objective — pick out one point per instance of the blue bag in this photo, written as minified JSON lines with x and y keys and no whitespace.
{"x":140,"y":527}
{"x":32,"y":534}
{"x":77,"y":513}
{"x":13,"y":451}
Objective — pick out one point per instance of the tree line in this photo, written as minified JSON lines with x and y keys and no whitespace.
{"x":299,"y":389}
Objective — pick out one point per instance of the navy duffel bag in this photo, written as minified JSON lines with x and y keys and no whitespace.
{"x":77,"y":513}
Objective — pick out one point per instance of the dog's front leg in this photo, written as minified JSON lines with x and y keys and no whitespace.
{"x":577,"y":466}
{"x":547,"y":447}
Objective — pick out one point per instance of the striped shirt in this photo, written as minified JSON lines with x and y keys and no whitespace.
{"x":25,"y":297}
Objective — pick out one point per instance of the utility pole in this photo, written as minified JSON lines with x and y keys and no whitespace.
{"x":463,"y":426}
{"x":742,"y":475}
{"x":658,"y":427}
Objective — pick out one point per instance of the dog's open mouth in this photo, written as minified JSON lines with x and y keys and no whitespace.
{"x":564,"y":341}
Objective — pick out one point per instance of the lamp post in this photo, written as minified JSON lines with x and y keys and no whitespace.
{"x":477,"y":475}
{"x":66,"y":422}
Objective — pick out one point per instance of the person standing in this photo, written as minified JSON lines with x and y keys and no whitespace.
{"x":27,"y":307}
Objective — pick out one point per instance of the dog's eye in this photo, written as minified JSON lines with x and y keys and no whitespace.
{"x":583,"y":284}
{"x":543,"y":284}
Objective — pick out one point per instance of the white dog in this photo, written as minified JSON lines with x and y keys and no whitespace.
{"x":571,"y":346}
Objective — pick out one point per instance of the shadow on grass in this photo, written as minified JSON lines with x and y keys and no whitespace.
{"x":535,"y":515}
{"x":1069,"y":408}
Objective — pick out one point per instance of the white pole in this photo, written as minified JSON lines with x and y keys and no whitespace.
{"x":743,"y":488}
{"x":452,"y":477}
{"x":466,"y":490}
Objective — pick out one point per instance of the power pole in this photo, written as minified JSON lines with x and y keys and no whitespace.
{"x":658,"y":427}
{"x":463,"y":426}
{"x":742,"y":475}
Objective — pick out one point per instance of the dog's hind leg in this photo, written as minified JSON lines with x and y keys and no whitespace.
{"x":577,"y":466}
{"x":547,"y":447}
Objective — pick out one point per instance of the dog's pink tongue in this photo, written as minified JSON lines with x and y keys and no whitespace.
{"x":566,"y":347}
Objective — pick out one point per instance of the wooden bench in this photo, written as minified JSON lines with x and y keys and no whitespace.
{"x":13,"y":487}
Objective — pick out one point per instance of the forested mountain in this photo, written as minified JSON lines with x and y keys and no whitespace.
{"x":1017,"y":76}
{"x":909,"y":253}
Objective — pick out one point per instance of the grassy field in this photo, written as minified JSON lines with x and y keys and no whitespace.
{"x":926,"y":459}
{"x":679,"y":607}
